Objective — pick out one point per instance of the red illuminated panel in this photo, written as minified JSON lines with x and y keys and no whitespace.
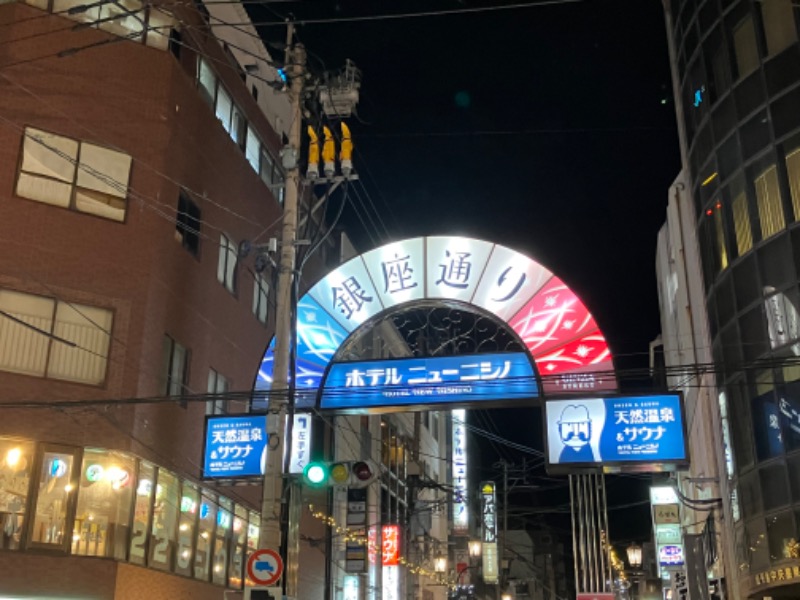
{"x":391,"y":545}
{"x":553,"y":317}
{"x":589,"y":350}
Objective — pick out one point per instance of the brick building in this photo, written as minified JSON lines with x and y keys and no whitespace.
{"x":139,"y":147}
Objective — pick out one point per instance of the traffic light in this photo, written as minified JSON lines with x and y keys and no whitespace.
{"x":353,"y":473}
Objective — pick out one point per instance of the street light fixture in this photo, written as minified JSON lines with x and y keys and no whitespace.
{"x":474,"y":548}
{"x":505,"y":596}
{"x":634,"y":552}
{"x":440,"y":564}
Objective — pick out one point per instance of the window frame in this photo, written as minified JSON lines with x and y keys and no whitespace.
{"x":189,"y":238}
{"x":166,"y":388}
{"x":226,"y":273}
{"x":261,"y":289}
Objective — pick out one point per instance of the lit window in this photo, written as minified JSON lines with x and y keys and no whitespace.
{"x":719,"y":230}
{"x":16,"y":466}
{"x":187,"y":223}
{"x":768,"y":196}
{"x":217,"y":385}
{"x":163,"y":539}
{"x":45,"y":337}
{"x":793,"y":171}
{"x":226,"y":265}
{"x":223,"y":109}
{"x":76,"y":175}
{"x":744,"y":40}
{"x":176,"y":367}
{"x":260,"y":297}
{"x":253,"y":149}
{"x":56,"y":489}
{"x":741,"y":221}
{"x":779,"y":25}
{"x":207,"y":81}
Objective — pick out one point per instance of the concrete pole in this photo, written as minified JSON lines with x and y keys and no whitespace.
{"x":270,"y":532}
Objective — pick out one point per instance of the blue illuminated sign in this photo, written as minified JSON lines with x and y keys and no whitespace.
{"x":616,"y":431}
{"x":235,"y":446}
{"x":438,"y":380}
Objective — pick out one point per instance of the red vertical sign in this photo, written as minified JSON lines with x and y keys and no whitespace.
{"x":390,"y":544}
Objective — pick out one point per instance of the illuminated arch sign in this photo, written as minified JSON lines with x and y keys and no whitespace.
{"x":568,"y":349}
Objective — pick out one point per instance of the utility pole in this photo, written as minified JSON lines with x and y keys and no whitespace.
{"x":278,"y":401}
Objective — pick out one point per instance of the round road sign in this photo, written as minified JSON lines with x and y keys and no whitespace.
{"x":264,"y":567}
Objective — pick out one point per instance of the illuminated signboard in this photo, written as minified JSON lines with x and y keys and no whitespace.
{"x":489,"y":526}
{"x":351,"y":587}
{"x":236,"y":446}
{"x":646,"y":431}
{"x":390,"y":545}
{"x":557,"y":329}
{"x":425,"y":381}
{"x":391,"y":582}
{"x":670,"y":555}
{"x":460,"y":510}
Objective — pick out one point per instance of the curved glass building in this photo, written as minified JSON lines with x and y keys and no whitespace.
{"x":736,"y":70}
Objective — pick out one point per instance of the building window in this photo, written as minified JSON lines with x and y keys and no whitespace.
{"x":187,"y":223}
{"x":226,"y":265}
{"x":163,"y":540}
{"x":46,"y":337}
{"x":190,"y":501}
{"x":744,"y":41}
{"x":16,"y":464}
{"x":53,"y":499}
{"x":76,"y":175}
{"x":142,"y":509}
{"x":435,"y":425}
{"x":217,"y":385}
{"x":719,"y":229}
{"x":253,"y":149}
{"x":223,"y":108}
{"x":206,"y":81}
{"x":779,"y":26}
{"x":105,"y":496}
{"x":176,"y":367}
{"x":768,"y":197}
{"x":741,"y":222}
{"x":793,"y":171}
{"x":260,"y":297}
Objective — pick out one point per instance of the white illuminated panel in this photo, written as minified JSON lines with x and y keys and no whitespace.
{"x":351,"y":587}
{"x":398,"y":271}
{"x":509,"y":281}
{"x":301,"y":443}
{"x":391,"y":582}
{"x":490,"y":563}
{"x":348,"y":294}
{"x":663,"y":494}
{"x":460,"y":509}
{"x":455,"y":266}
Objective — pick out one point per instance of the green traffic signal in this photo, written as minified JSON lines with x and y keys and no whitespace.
{"x":316,"y":474}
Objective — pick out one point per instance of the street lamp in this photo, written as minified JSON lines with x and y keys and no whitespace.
{"x":505,"y":596}
{"x":634,"y":552}
{"x":474,"y":548}
{"x":440,"y":564}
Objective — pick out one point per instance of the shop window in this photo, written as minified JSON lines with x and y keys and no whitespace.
{"x":187,"y":223}
{"x":217,"y":385}
{"x":163,"y":540}
{"x":222,"y":537}
{"x":175,"y":359}
{"x":142,"y":510}
{"x":205,"y":536}
{"x":226,"y":264}
{"x":781,"y":535}
{"x":187,"y":525}
{"x":768,"y":198}
{"x":16,"y":463}
{"x":55,"y":497}
{"x":779,"y":25}
{"x":745,"y":46}
{"x":260,"y":297}
{"x":253,"y":530}
{"x":76,"y":175}
{"x":238,"y":548}
{"x":105,"y":498}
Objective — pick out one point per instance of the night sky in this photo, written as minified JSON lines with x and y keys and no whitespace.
{"x":548,"y":129}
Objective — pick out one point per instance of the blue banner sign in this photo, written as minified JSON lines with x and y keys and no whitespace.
{"x":437,"y":380}
{"x":236,"y":446}
{"x":638,"y":430}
